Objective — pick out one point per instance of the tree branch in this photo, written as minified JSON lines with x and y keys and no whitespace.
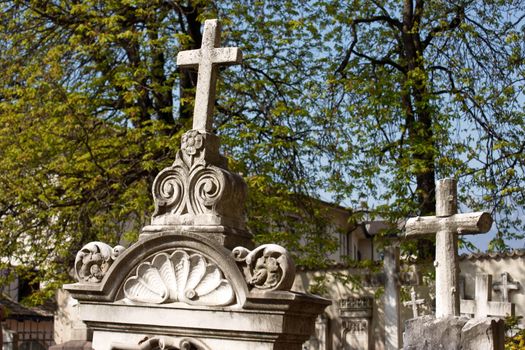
{"x":453,"y":24}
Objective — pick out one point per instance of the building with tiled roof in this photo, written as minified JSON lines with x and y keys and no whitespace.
{"x":31,"y":328}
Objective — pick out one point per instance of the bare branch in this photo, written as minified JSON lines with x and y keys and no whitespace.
{"x":376,"y":61}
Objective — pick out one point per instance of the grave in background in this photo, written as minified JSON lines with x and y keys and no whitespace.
{"x":447,"y":329}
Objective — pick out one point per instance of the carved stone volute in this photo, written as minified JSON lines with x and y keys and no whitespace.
{"x":267,"y":267}
{"x":198,"y":189}
{"x":94,"y":260}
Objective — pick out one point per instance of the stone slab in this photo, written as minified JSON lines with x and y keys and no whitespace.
{"x":453,"y":333}
{"x":219,"y":328}
{"x":483,"y":333}
{"x":73,"y":345}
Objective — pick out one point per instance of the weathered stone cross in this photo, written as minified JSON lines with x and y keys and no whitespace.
{"x":505,"y":286}
{"x":207,"y":59}
{"x":414,"y":302}
{"x":447,"y":225}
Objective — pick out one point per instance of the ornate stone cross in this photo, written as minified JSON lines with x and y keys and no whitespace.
{"x":505,"y":286}
{"x":482,"y":305}
{"x":414,"y":302}
{"x":198,"y":191}
{"x":447,"y":225}
{"x":207,"y":59}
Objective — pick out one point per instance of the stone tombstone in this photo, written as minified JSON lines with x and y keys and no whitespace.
{"x":446,"y":225}
{"x":356,"y":316}
{"x":414,"y":302}
{"x":193,"y":279}
{"x":505,"y":286}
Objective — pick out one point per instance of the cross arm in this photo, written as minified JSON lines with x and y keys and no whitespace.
{"x":222,"y":56}
{"x":227,"y":56}
{"x":465,"y":223}
{"x":415,"y":301}
{"x":189,"y":58}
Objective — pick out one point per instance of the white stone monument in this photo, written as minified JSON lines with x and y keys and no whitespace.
{"x":447,"y":330}
{"x":446,"y":225}
{"x":186,"y":284}
{"x":391,"y":298}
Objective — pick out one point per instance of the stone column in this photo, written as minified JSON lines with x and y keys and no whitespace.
{"x":391,"y":298}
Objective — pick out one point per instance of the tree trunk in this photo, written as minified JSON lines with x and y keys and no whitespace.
{"x":188,"y":77}
{"x":419,"y":118}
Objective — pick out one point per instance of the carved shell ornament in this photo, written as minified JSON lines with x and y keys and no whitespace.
{"x":180,"y":276}
{"x":162,"y":343}
{"x":93,"y":261}
{"x":267,"y":267}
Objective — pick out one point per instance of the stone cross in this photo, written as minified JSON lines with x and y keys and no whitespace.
{"x":207,"y":59}
{"x":482,"y":305}
{"x":505,"y":286}
{"x":413,"y":302}
{"x":447,"y":225}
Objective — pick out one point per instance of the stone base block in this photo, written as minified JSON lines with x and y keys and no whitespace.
{"x":73,"y":345}
{"x":453,"y":333}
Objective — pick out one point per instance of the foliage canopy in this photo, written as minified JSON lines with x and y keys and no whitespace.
{"x":362,"y":100}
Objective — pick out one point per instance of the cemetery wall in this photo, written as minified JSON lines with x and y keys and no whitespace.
{"x":355,"y":329}
{"x":496,"y":264}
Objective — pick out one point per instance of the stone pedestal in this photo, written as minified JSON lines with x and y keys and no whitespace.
{"x":453,"y":333}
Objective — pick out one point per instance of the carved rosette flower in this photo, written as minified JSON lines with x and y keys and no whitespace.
{"x":268,"y":267}
{"x":192,"y":142}
{"x":94,"y":260}
{"x":181,"y":276}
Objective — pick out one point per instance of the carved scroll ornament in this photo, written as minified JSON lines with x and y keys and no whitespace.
{"x":267,"y":267}
{"x":180,"y":276}
{"x":198,"y":189}
{"x":93,"y":261}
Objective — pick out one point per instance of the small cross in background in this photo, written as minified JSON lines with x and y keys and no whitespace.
{"x":414,"y":302}
{"x":505,"y":286}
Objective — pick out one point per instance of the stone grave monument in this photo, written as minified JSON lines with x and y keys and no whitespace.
{"x":356,"y":317}
{"x":447,"y":330}
{"x":193,"y":280}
